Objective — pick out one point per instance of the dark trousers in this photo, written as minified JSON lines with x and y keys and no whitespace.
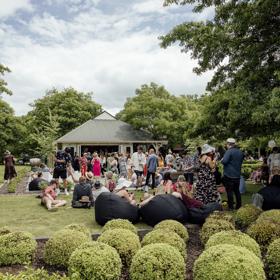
{"x":232,"y":187}
{"x":153,"y":179}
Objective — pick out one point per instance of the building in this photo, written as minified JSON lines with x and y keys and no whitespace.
{"x":106,"y":134}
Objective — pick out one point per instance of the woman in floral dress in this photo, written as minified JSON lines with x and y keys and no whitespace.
{"x":206,"y":189}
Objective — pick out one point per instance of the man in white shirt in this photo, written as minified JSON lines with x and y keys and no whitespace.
{"x":138,"y":161}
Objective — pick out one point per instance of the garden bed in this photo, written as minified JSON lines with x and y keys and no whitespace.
{"x":194,"y":249}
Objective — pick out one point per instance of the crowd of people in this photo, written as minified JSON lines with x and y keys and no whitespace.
{"x":194,"y":178}
{"x":118,"y":172}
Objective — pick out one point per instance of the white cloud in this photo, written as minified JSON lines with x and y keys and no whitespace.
{"x":108,"y":54}
{"x":10,"y":7}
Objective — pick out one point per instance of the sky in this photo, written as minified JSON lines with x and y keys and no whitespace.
{"x":107,"y":47}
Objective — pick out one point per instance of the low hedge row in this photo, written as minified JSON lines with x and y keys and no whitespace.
{"x":12,"y":186}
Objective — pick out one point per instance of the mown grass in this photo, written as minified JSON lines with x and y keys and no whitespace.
{"x":24,"y":212}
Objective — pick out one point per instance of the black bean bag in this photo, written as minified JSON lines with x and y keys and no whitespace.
{"x":163,"y":207}
{"x":198,"y":215}
{"x":271,"y":197}
{"x":109,"y":206}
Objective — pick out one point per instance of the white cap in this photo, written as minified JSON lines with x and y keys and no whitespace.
{"x":231,"y":141}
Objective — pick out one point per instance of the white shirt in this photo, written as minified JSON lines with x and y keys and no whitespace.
{"x":138,"y":161}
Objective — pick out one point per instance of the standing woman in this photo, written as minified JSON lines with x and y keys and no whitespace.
{"x":9,"y":162}
{"x":206,"y":189}
{"x":96,"y":165}
{"x":84,"y":164}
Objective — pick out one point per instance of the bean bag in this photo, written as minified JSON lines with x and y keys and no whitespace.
{"x":163,"y":207}
{"x":109,"y":206}
{"x":271,"y":197}
{"x":198,"y":215}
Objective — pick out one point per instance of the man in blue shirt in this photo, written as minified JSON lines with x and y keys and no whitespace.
{"x":152,"y":164}
{"x":232,"y":162}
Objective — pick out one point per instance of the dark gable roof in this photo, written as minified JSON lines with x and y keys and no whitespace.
{"x":105,"y":129}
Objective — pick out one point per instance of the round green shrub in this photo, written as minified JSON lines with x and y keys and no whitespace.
{"x":165,"y":236}
{"x":124,"y":241}
{"x":79,"y":227}
{"x":158,"y":261}
{"x":31,"y":274}
{"x":264,"y":232}
{"x":17,"y":248}
{"x":61,"y":245}
{"x":120,"y":223}
{"x":236,"y":238}
{"x":222,"y":215}
{"x":273,"y":259}
{"x":228,"y":262}
{"x":95,"y":261}
{"x":213,"y":226}
{"x":4,"y":230}
{"x":246,"y":215}
{"x":174,"y":226}
{"x":271,"y":215}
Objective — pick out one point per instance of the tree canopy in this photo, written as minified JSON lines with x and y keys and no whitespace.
{"x":69,"y":107}
{"x":242,"y":44}
{"x":3,"y":83}
{"x":162,"y":114}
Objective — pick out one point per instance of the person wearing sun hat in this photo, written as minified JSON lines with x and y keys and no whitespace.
{"x":232,"y":162}
{"x":206,"y":189}
{"x":121,"y":191}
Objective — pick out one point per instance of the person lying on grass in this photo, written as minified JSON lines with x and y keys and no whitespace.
{"x":49,"y":197}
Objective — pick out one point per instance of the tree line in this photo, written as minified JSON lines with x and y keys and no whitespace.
{"x":241,"y":43}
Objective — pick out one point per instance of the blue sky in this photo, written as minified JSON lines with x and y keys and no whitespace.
{"x":107,"y":47}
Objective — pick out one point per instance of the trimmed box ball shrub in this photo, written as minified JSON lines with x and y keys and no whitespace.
{"x":228,"y":262}
{"x":165,"y":236}
{"x":95,"y":261}
{"x":222,"y":215}
{"x":31,"y":274}
{"x":264,"y":232}
{"x":79,"y":227}
{"x":174,"y":226}
{"x":236,"y":238}
{"x":271,"y":215}
{"x":246,"y":215}
{"x":17,"y":248}
{"x":124,"y":241}
{"x":61,"y":245}
{"x":213,"y":226}
{"x":120,"y":223}
{"x":158,"y":261}
{"x":273,"y":259}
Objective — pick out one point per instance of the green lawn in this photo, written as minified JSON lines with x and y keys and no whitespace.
{"x":18,"y":168}
{"x":24,"y":212}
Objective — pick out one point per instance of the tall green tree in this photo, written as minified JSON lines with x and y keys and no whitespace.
{"x":45,"y":137}
{"x":162,"y":114}
{"x":8,"y":125}
{"x":3,"y":83}
{"x":242,"y":45}
{"x":69,"y":107}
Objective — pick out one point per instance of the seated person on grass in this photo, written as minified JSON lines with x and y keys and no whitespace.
{"x":121,"y":191}
{"x":98,"y":189}
{"x":34,"y":185}
{"x":82,"y":195}
{"x":49,"y":197}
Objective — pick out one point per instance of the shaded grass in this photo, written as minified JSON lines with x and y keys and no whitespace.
{"x":24,"y":212}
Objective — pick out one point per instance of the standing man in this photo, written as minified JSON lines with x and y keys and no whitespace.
{"x":62,"y":161}
{"x":152,"y":165}
{"x":232,"y":162}
{"x":138,"y":161}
